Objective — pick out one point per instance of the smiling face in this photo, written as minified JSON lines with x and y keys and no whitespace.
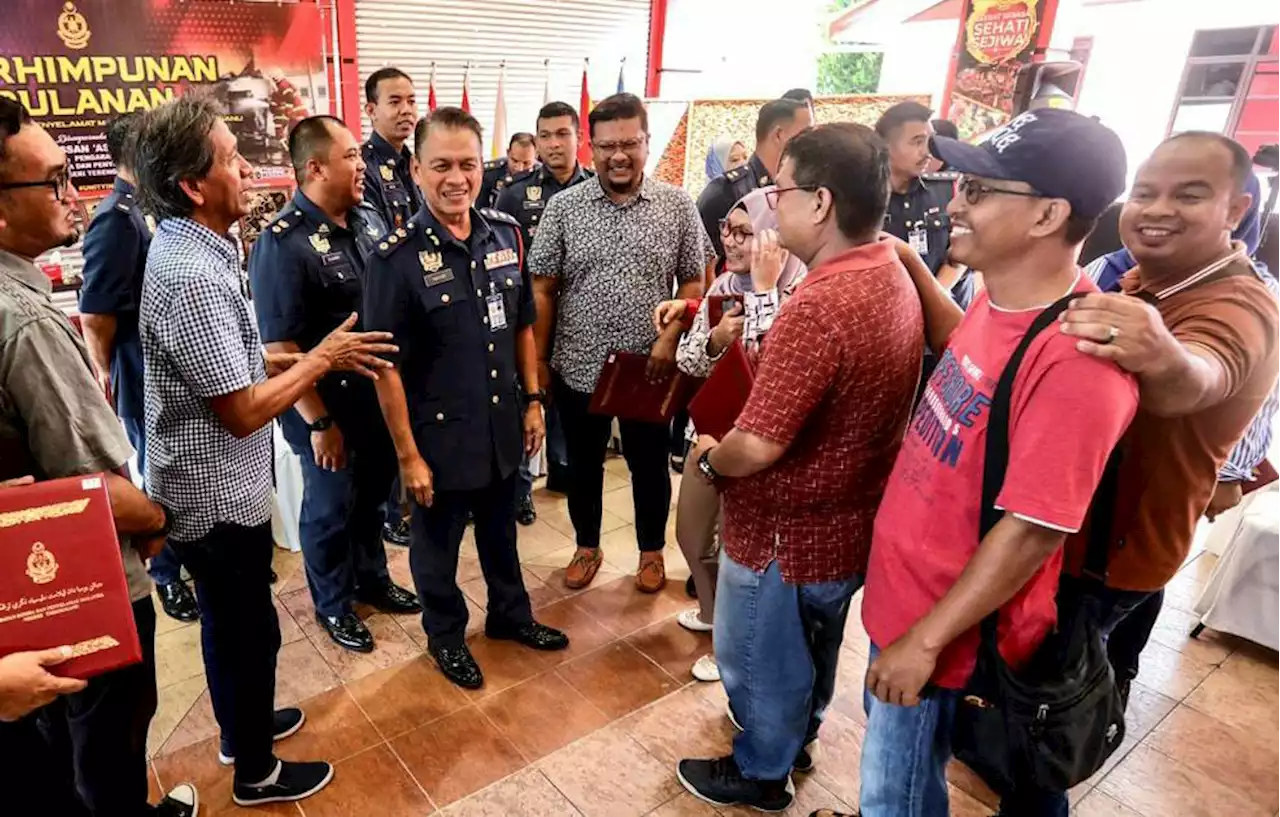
{"x":736,"y":235}
{"x":620,"y":148}
{"x":986,"y":235}
{"x":449,"y":170}
{"x":341,"y":169}
{"x":1184,"y":204}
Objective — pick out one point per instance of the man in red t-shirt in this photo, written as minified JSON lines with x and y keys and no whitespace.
{"x":1028,"y":197}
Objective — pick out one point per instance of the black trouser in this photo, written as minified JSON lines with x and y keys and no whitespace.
{"x":1129,"y":638}
{"x":435,"y":534}
{"x":240,"y":636}
{"x":644,"y":446}
{"x":86,"y":753}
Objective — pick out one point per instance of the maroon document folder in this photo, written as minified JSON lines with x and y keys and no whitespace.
{"x":623,"y":390}
{"x":61,"y":577}
{"x":716,"y":406}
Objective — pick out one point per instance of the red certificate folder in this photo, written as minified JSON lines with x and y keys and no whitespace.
{"x":1263,"y":475}
{"x":61,"y":577}
{"x":716,"y":406}
{"x":623,"y":390}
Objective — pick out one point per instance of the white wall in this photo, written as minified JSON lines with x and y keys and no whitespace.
{"x":918,"y":57}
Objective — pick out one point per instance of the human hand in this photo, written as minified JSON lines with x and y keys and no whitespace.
{"x":767,"y":260}
{"x":416,"y":480}
{"x":1226,"y":495}
{"x":729,"y":329}
{"x":343,"y":349}
{"x":535,"y":429}
{"x":25,"y":684}
{"x":108,"y":391}
{"x":668,"y":312}
{"x":662,"y":358}
{"x":280,"y":362}
{"x":329,"y":449}
{"x":18,"y":481}
{"x":900,"y":671}
{"x":150,"y":547}
{"x":1122,"y":329}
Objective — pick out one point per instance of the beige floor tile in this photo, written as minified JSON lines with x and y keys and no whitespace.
{"x":178,"y":656}
{"x":1097,"y":804}
{"x":1171,"y":672}
{"x":336,"y":729}
{"x":622,"y":608}
{"x":392,"y":646}
{"x":838,"y":756}
{"x":682,"y":725}
{"x":1173,"y":629}
{"x":527,"y":793}
{"x":542,"y":715}
{"x":1227,"y":755}
{"x":608,"y":774}
{"x":406,"y":696}
{"x":1156,"y":785}
{"x":372,"y":782}
{"x":198,"y":724}
{"x":1184,"y":589}
{"x":166,"y":625}
{"x":457,"y":755}
{"x":686,"y":805}
{"x":851,"y":675}
{"x":964,"y":805}
{"x":1146,"y":709}
{"x":550,"y":568}
{"x":540,"y":538}
{"x":557,"y":516}
{"x":810,"y":796}
{"x":289,"y":629}
{"x":301,"y":673}
{"x":855,"y":634}
{"x":618,"y":679}
{"x":672,"y":647}
{"x":621,"y":504}
{"x":1239,"y":694}
{"x":176,"y":701}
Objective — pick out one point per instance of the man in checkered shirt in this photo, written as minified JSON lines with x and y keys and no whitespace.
{"x":209,"y":407}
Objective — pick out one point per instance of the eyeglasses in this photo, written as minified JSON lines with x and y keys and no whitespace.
{"x":975,"y":191}
{"x":59,"y":183}
{"x":771,"y":196}
{"x":738,"y":235}
{"x":610,"y":148}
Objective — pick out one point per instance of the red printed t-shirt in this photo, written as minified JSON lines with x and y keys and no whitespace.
{"x":1068,"y":411}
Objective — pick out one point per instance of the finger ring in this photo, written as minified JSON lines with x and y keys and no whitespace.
{"x":1113,"y":332}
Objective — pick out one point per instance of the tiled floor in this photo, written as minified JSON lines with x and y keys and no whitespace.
{"x":595,"y":731}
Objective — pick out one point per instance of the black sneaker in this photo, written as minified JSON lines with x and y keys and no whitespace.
{"x":181,"y":801}
{"x":287,"y":722}
{"x":396,"y":533}
{"x":290,"y":781}
{"x":720,"y":783}
{"x":526,"y":514}
{"x":177,"y":601}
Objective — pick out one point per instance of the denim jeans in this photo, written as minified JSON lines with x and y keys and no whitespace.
{"x":777,"y":645}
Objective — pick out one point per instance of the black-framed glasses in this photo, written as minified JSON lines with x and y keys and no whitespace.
{"x":771,"y":196}
{"x":975,"y":191}
{"x":739,"y":235}
{"x":626,"y":146}
{"x":59,"y":183}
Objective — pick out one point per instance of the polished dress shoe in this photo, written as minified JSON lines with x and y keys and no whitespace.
{"x":390,"y":598}
{"x":458,"y":666}
{"x":532,"y":635}
{"x":396,"y":533}
{"x":526,"y":514}
{"x":347,"y":630}
{"x":177,"y":602}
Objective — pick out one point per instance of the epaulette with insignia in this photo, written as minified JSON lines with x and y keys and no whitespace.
{"x":285,"y":221}
{"x":396,"y":239}
{"x":497,"y":215}
{"x":123,"y":206}
{"x":494,"y":164}
{"x":735,"y":174}
{"x":941,"y":176}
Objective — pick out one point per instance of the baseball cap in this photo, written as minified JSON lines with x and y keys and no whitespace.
{"x":1060,"y":153}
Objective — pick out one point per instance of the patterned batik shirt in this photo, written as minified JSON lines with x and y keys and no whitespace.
{"x":199,"y":341}
{"x":615,"y":264}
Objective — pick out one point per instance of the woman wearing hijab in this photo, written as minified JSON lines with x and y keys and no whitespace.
{"x":754,"y":263}
{"x":724,"y":155}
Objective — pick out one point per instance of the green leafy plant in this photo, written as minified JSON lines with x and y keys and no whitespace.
{"x":849,"y":72}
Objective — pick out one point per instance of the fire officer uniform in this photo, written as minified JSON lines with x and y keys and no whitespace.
{"x":919,"y":217}
{"x":115,"y":256}
{"x":455,"y":308}
{"x":495,"y":179}
{"x":308,"y":275}
{"x":388,"y":181}
{"x":721,"y":193}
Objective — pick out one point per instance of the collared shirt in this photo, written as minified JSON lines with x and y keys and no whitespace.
{"x":492,"y":182}
{"x":306,"y":272}
{"x":525,"y":197}
{"x":199,"y":341}
{"x":115,"y":255}
{"x":919,"y":217}
{"x":721,"y":193}
{"x":388,"y":181}
{"x":456,"y":308}
{"x":615,"y":263}
{"x":54,"y":420}
{"x":836,"y":380}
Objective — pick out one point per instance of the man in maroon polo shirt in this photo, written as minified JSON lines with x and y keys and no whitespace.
{"x":804,"y":469}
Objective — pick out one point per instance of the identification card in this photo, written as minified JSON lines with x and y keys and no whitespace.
{"x":497,"y":311}
{"x":918,"y":238}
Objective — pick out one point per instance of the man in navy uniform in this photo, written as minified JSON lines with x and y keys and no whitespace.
{"x":451,"y":287}
{"x":520,"y":159}
{"x":389,"y":188}
{"x":115,"y":255}
{"x":524,"y":199}
{"x":777,"y":122}
{"x":306,"y":271}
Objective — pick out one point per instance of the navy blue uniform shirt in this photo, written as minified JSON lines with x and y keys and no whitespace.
{"x":494,"y":180}
{"x":388,"y":181}
{"x":115,"y":255}
{"x":306,"y":274}
{"x":431,"y":291}
{"x":922,"y":211}
{"x":525,"y":197}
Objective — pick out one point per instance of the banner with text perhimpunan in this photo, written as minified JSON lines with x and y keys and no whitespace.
{"x":76,"y":65}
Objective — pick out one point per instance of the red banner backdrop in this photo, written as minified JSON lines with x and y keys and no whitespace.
{"x":75,"y":65}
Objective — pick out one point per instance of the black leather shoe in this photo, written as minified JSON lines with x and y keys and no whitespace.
{"x":526,"y":514}
{"x":458,"y":666}
{"x":177,"y":601}
{"x":396,"y":533}
{"x":533,"y":635}
{"x":391,"y":598}
{"x":347,"y":631}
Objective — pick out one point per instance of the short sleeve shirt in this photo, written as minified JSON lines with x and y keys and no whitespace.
{"x":199,"y":341}
{"x":54,"y":420}
{"x":1068,"y":411}
{"x":614,"y":263}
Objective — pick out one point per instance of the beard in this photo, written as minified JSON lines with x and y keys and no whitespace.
{"x":620,"y":187}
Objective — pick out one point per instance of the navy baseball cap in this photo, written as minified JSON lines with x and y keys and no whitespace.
{"x":1060,"y":153}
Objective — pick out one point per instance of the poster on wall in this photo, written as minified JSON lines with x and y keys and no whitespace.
{"x":75,"y":65}
{"x":997,"y":38}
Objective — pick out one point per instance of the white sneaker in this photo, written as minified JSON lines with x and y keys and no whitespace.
{"x":690,"y":621}
{"x":706,"y":669}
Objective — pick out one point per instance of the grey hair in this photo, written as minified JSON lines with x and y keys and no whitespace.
{"x":174,"y":146}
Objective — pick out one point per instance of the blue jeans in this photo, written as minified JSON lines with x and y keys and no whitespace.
{"x":557,"y":453}
{"x":777,"y":645}
{"x":164,"y":567}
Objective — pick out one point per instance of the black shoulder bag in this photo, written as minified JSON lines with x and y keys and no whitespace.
{"x":1053,"y":723}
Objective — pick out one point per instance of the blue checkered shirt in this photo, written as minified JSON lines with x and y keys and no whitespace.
{"x":199,"y":341}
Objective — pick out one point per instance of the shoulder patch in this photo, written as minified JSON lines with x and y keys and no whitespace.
{"x":493,"y":164}
{"x":283,"y":222}
{"x":735,"y":174}
{"x":491,"y":214}
{"x":123,"y":206}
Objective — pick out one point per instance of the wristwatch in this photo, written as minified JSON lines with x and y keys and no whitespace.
{"x":706,"y":470}
{"x":321,"y":424}
{"x":539,"y":396}
{"x":168,"y":523}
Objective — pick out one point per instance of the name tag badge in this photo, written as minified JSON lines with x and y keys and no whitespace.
{"x":500,"y":258}
{"x":497,"y":310}
{"x":919,"y":240}
{"x":329,"y":259}
{"x":444,"y":276}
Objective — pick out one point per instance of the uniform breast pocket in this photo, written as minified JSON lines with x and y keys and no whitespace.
{"x":507,"y":281}
{"x":445,"y":308}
